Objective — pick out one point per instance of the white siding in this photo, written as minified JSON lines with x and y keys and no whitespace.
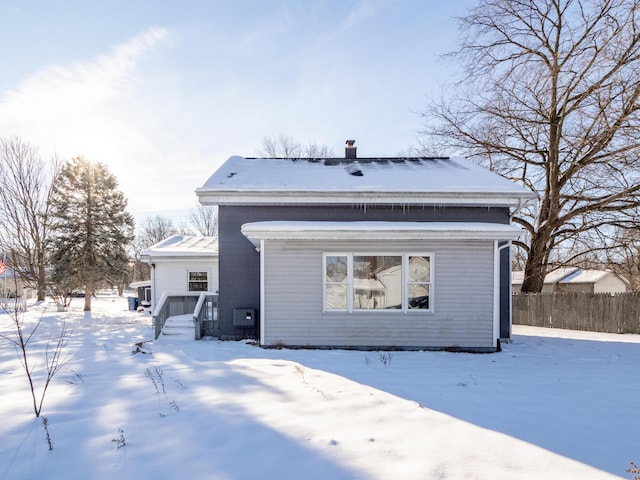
{"x":610,"y":284}
{"x":462,"y":295}
{"x":171,"y":276}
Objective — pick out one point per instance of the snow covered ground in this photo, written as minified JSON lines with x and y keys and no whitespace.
{"x":552,"y":404}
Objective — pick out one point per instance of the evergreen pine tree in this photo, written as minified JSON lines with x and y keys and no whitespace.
{"x":90,"y":226}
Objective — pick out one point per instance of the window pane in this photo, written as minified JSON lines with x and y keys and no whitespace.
{"x":336,"y":296}
{"x":377,"y":282}
{"x":419,"y":269}
{"x":418,"y":296}
{"x":198,"y":282}
{"x":336,"y":269}
{"x":198,"y":286}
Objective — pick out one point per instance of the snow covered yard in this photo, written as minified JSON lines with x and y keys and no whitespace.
{"x":552,"y":404}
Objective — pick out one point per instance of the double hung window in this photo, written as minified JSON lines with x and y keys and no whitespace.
{"x":198,"y":282}
{"x":354,"y":282}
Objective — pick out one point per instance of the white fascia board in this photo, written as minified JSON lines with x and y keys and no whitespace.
{"x":175,"y":258}
{"x":271,"y":197}
{"x":258,"y":231}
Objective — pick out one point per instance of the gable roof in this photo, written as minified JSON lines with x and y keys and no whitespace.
{"x":183,"y":246}
{"x":418,"y":180}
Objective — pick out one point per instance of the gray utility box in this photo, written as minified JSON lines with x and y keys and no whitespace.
{"x":244,"y":317}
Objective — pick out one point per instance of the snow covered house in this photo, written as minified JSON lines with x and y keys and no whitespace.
{"x":577,"y":280}
{"x":364,"y":252}
{"x":182,"y":265}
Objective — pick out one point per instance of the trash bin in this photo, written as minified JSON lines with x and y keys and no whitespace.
{"x":133,"y":303}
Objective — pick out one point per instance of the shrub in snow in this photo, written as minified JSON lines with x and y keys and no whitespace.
{"x":119,"y":441}
{"x":156,"y":377}
{"x":385,"y":358}
{"x":45,"y":425}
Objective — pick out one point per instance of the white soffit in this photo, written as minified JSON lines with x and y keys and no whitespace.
{"x":367,"y":231}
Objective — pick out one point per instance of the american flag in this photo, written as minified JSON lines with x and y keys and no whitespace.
{"x":3,"y":265}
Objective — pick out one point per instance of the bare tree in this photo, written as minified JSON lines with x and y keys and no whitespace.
{"x":25,"y":194}
{"x":315,"y":150}
{"x":204,"y":219}
{"x":624,"y":258}
{"x":155,"y":229}
{"x":285,"y":146}
{"x":138,"y":270}
{"x":551,"y":99}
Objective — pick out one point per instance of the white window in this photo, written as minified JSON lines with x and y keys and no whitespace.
{"x":198,"y":282}
{"x":357,"y":282}
{"x":336,"y":282}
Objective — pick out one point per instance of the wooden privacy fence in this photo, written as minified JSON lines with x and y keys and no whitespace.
{"x":600,"y":312}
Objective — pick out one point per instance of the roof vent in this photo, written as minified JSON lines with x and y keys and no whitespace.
{"x":350,"y":149}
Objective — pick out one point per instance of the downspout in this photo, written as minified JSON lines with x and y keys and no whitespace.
{"x":153,"y":286}
{"x":496,"y":290}
{"x":261,"y":314}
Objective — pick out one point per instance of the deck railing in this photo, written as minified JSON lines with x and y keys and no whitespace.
{"x":206,"y":311}
{"x":168,"y":305}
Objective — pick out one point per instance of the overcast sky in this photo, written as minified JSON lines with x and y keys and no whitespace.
{"x":163,"y":92}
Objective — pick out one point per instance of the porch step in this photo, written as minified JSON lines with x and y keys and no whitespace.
{"x":179,"y":325}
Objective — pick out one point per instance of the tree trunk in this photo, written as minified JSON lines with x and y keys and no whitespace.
{"x":88,"y":291}
{"x":536,"y":268}
{"x":42,"y":281}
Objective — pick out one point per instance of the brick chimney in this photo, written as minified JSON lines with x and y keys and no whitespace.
{"x":350,"y":149}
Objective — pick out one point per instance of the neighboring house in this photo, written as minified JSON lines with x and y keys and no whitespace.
{"x":574,"y":279}
{"x":13,"y":290}
{"x":182,"y":265}
{"x":12,"y":285}
{"x":143,"y":290}
{"x":364,"y":252}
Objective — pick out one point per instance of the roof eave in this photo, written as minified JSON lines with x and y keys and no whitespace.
{"x":275,"y":197}
{"x":258,"y":231}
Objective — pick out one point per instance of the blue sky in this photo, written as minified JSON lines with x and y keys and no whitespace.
{"x":163,"y":92}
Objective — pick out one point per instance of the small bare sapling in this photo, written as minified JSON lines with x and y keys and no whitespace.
{"x":56,"y":355}
{"x":385,"y":358}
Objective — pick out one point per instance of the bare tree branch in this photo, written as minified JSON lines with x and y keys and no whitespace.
{"x":551,"y":99}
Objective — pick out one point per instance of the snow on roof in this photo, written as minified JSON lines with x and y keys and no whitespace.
{"x":340,"y":180}
{"x":183,"y":245}
{"x":585,"y":276}
{"x":566,"y":275}
{"x":369,"y":284}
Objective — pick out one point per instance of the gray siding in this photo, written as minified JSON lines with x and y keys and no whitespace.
{"x":240,"y":262}
{"x":463,"y":297}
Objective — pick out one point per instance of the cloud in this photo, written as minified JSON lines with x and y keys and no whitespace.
{"x":267,"y":29}
{"x":364,"y":10}
{"x":59,"y":91}
{"x":87,"y":109}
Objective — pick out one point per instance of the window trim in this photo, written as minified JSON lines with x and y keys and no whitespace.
{"x":197,"y":270}
{"x":405,"y":256}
